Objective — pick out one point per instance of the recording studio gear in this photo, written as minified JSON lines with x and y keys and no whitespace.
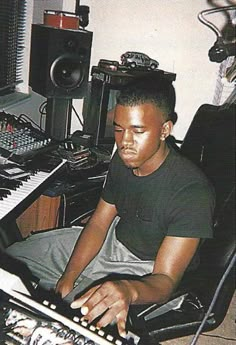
{"x":58,"y":118}
{"x":59,"y":68}
{"x":83,"y":139}
{"x":20,"y":141}
{"x":79,"y":198}
{"x":27,"y":166}
{"x":59,"y":61}
{"x":78,"y":159}
{"x":112,"y":65}
{"x":84,"y":159}
{"x":28,"y":321}
{"x":18,"y":184}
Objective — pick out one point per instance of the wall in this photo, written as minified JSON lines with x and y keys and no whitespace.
{"x":166,"y":30}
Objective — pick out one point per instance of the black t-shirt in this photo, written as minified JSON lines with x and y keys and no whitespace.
{"x":175,"y":200}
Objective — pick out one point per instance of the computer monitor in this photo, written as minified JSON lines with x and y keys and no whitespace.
{"x":98,"y":110}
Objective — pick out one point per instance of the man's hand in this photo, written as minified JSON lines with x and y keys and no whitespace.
{"x":64,"y":285}
{"x":112,"y":299}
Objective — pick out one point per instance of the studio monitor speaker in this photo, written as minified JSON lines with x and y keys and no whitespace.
{"x":59,"y":61}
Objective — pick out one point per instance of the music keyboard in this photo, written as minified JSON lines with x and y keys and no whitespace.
{"x":66,"y":330}
{"x":18,"y":193}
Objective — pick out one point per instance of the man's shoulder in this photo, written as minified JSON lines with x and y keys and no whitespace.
{"x":184,"y":171}
{"x":188,"y":184}
{"x":184,"y":164}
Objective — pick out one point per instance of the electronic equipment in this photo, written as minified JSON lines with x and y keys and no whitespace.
{"x":20,"y":141}
{"x":19,"y":186}
{"x":59,"y":68}
{"x":81,"y":186}
{"x":82,"y":139}
{"x":83,"y":158}
{"x":30,"y":321}
{"x":108,"y":78}
{"x":79,"y":198}
{"x":59,"y":61}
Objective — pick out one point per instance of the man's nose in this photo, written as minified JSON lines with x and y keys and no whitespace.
{"x":127,"y":138}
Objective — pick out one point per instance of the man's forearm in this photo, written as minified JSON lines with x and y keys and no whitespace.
{"x":155,"y":288}
{"x":91,"y":239}
{"x":85,"y":250}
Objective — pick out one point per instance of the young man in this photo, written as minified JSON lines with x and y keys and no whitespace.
{"x":155,"y":208}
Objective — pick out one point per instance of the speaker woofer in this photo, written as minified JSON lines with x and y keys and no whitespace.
{"x":59,"y":61}
{"x":67,"y":72}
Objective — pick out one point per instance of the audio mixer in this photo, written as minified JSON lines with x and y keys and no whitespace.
{"x":20,"y":141}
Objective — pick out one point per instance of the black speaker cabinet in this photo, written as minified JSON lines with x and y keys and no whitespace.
{"x":59,"y":61}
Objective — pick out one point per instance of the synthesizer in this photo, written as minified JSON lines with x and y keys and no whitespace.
{"x":20,"y":141}
{"x":28,"y":321}
{"x":20,"y":186}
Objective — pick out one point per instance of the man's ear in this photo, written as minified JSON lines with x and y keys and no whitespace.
{"x":166,"y":129}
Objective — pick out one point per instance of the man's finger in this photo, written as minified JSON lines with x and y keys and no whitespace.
{"x":121,"y":323}
{"x":78,"y":303}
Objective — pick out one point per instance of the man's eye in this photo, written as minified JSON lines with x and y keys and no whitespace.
{"x":139,"y":131}
{"x":118,"y":129}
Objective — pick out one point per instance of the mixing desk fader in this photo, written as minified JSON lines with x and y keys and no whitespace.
{"x":20,"y":141}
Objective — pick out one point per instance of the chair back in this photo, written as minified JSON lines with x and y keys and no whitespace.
{"x":210,"y":143}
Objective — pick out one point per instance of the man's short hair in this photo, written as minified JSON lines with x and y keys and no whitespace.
{"x":157,"y":90}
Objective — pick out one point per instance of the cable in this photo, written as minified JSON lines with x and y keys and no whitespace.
{"x":204,"y":21}
{"x":82,"y":216}
{"x":29,"y":119}
{"x":218,"y":336}
{"x":77,"y":115}
{"x":42,"y":108}
{"x":42,"y":111}
{"x":223,"y":278}
{"x":64,"y":210}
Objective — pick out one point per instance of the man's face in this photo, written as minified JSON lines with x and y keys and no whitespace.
{"x":138,"y":132}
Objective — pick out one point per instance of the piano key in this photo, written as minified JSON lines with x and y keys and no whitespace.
{"x":21,"y":190}
{"x":11,"y":184}
{"x":4,"y":192}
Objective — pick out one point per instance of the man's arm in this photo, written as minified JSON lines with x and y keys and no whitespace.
{"x":87,"y":246}
{"x":114,"y":297}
